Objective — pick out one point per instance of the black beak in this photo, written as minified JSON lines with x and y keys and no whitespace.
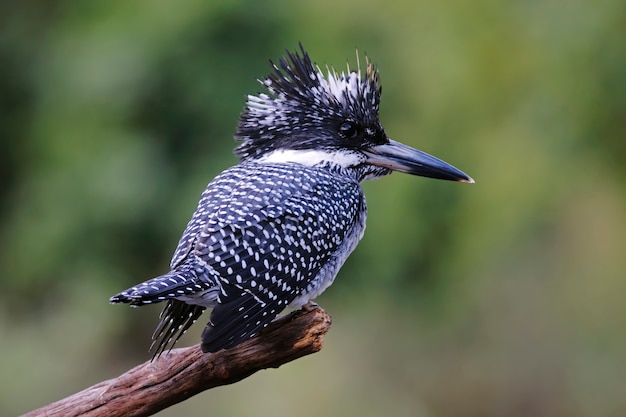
{"x":402,"y":158}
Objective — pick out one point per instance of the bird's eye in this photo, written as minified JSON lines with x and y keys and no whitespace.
{"x":348,"y":129}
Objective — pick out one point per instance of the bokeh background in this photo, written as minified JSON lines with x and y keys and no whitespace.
{"x":503,"y":298}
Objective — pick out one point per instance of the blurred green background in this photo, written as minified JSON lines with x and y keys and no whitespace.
{"x":504,"y":298}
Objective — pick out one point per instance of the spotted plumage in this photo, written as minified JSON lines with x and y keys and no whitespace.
{"x":274,"y":230}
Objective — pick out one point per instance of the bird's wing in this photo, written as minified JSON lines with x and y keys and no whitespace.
{"x":231,"y":197}
{"x":268,"y":257}
{"x":216,"y":192}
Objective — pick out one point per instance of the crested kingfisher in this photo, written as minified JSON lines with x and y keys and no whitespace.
{"x":273,"y":231}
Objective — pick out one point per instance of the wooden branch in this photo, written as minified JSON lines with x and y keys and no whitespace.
{"x":182,"y":373}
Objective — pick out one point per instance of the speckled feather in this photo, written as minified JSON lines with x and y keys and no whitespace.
{"x":283,"y":249}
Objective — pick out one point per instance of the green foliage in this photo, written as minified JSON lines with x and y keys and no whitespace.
{"x":500,"y":298}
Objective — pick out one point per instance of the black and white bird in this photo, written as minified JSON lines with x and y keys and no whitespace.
{"x":273,"y":231}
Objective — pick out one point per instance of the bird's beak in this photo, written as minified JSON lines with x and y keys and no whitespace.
{"x":402,"y":158}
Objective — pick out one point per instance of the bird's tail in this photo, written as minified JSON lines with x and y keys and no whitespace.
{"x":178,"y":283}
{"x":177,"y":315}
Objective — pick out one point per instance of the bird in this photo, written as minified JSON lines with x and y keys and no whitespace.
{"x":272,"y":231}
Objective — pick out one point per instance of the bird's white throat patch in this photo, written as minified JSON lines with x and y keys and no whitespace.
{"x":313,"y":157}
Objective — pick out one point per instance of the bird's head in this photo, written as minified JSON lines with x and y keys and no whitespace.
{"x":316,"y":119}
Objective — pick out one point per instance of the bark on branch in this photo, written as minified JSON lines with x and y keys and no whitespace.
{"x":182,"y":373}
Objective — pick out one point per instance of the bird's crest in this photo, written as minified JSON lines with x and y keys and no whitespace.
{"x":300,"y":95}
